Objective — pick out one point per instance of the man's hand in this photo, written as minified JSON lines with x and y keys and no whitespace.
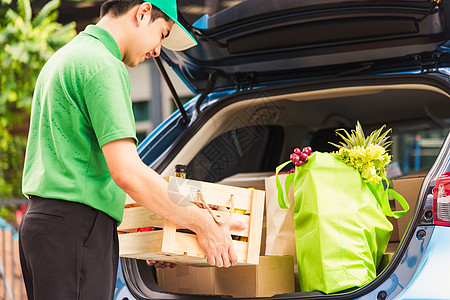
{"x":220,"y":253}
{"x":215,"y":240}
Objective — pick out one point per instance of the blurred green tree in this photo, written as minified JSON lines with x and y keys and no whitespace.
{"x":27,"y":41}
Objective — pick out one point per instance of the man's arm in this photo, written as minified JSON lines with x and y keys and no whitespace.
{"x":150,"y":190}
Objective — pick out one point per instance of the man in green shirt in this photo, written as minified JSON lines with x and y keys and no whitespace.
{"x":81,"y":157}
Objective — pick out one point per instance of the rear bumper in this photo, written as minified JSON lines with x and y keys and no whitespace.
{"x":431,"y":278}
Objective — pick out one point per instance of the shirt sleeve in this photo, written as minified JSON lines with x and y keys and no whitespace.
{"x":108,"y":102}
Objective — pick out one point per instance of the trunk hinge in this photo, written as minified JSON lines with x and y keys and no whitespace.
{"x":244,"y":81}
{"x":186,"y":119}
{"x":429,"y":65}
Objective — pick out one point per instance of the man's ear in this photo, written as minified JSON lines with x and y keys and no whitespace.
{"x":143,"y":13}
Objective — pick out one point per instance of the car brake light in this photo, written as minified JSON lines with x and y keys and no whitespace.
{"x":441,"y":200}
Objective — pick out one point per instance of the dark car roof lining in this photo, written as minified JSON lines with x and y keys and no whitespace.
{"x":380,"y":107}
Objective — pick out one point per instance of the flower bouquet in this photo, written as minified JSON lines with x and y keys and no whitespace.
{"x":367,"y":155}
{"x":341,"y":204}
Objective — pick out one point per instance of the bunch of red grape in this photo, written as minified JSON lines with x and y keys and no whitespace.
{"x":300,"y":157}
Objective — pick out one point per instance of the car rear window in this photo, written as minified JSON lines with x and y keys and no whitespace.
{"x":242,"y":150}
{"x":413,"y":152}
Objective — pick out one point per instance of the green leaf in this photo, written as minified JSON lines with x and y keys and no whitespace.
{"x":349,"y":142}
{"x":359,"y":135}
{"x":337,"y":146}
{"x":11,"y":16}
{"x":24,"y":8}
{"x":383,"y":137}
{"x":63,"y":35}
{"x":45,"y":12}
{"x":25,"y":46}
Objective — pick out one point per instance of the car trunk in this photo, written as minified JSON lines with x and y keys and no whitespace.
{"x":281,"y":119}
{"x":261,"y":42}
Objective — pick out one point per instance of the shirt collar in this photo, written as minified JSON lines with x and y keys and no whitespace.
{"x":105,"y":38}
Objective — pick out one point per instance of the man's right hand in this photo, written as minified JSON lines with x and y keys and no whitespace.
{"x":215,"y":240}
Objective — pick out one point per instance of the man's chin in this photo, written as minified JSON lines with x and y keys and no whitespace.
{"x":131,"y":64}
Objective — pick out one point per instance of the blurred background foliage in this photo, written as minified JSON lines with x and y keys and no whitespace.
{"x":27,"y":40}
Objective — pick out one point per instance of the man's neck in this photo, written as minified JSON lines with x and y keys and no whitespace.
{"x":115,"y":27}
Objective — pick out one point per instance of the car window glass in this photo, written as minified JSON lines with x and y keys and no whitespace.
{"x":242,"y":150}
{"x":413,"y":152}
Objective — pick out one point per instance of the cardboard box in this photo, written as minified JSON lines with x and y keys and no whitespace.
{"x":273,"y":275}
{"x":409,"y":187}
{"x":169,"y":242}
{"x":187,"y":279}
{"x":394,"y":235}
{"x":387,"y":257}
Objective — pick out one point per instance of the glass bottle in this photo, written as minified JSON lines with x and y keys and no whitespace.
{"x":180,"y":171}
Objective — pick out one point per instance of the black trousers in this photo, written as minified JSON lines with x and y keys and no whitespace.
{"x":68,"y":251}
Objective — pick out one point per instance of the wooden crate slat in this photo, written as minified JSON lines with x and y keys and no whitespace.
{"x":181,"y":259}
{"x":131,"y":244}
{"x":256,"y":220}
{"x":146,"y":245}
{"x":136,"y":217}
{"x":213,"y":193}
{"x":169,"y":237}
{"x":242,"y":250}
{"x":178,"y":259}
{"x":188,"y":246}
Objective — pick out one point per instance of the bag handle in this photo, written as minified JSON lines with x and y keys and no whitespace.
{"x":401,"y":200}
{"x":383,"y":199}
{"x":281,"y":200}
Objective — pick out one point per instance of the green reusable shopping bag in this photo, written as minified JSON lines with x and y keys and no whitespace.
{"x":341,"y":229}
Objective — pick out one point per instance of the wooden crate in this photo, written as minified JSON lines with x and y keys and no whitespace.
{"x":168,"y":242}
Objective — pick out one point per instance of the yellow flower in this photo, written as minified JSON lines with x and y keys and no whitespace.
{"x":367,"y":155}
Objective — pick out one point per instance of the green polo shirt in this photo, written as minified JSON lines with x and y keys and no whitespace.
{"x":81,"y":102}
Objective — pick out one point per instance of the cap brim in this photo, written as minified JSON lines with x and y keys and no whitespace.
{"x":179,"y":38}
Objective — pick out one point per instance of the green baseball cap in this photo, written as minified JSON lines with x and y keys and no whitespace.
{"x":179,"y":38}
